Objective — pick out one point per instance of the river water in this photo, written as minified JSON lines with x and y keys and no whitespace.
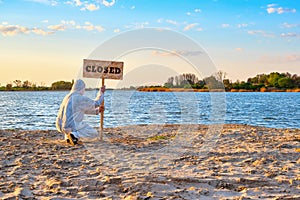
{"x":38,"y":110}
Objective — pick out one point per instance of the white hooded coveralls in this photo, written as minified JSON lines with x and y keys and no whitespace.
{"x":72,"y":109}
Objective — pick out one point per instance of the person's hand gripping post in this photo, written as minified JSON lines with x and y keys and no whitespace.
{"x":101,"y":107}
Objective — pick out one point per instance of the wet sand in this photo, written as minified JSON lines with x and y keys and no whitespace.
{"x":153,"y":162}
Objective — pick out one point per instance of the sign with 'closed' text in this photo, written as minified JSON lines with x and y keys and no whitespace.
{"x":102,"y":69}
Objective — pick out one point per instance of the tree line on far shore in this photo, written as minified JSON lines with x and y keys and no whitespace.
{"x":273,"y":80}
{"x":261,"y":82}
{"x":18,"y":85}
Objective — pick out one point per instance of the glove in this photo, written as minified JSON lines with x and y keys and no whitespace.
{"x":102,"y":89}
{"x":101,"y":108}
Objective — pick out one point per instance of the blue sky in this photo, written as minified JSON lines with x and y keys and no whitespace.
{"x":45,"y":40}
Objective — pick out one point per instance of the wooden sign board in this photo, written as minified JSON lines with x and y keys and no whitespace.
{"x":102,"y":69}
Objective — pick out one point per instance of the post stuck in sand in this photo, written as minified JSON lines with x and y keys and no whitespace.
{"x":105,"y":70}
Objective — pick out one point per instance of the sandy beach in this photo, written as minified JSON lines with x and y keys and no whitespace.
{"x":153,"y":162}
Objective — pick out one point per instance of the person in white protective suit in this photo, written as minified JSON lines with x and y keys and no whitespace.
{"x":69,"y":120}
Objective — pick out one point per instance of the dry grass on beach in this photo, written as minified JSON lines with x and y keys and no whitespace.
{"x":244,"y":162}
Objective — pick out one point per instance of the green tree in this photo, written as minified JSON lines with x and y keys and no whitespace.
{"x":190,"y":78}
{"x":262,"y":79}
{"x":285,"y":82}
{"x":61,"y":85}
{"x":181,"y":80}
{"x":296,"y":80}
{"x":245,"y":85}
{"x":8,"y":86}
{"x":273,"y":79}
{"x":169,"y":83}
{"x":227,"y":84}
{"x":220,"y":75}
{"x":212,"y":83}
{"x":199,"y":85}
{"x":26,"y":84}
{"x":18,"y":83}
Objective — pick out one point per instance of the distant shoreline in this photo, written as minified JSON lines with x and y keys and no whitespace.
{"x":48,"y":90}
{"x":168,"y":90}
{"x":162,"y":89}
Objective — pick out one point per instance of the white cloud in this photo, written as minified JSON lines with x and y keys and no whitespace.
{"x":193,"y":13}
{"x":68,"y":2}
{"x":108,"y":4}
{"x":46,"y":2}
{"x":138,"y":25}
{"x":260,"y":33}
{"x":39,"y":31}
{"x":84,"y":5}
{"x":271,"y":5}
{"x":116,"y":30}
{"x":71,"y":22}
{"x":285,"y":10}
{"x":58,"y":27}
{"x":273,"y":8}
{"x":225,"y":25}
{"x":90,"y":7}
{"x":45,"y":21}
{"x":190,"y":26}
{"x":64,"y":25}
{"x":171,"y":22}
{"x":78,"y":3}
{"x":287,"y":25}
{"x":99,"y":28}
{"x":254,"y":32}
{"x":132,"y":7}
{"x":11,"y":30}
{"x":289,"y":35}
{"x":90,"y":27}
{"x":242,"y":25}
{"x":199,"y":29}
{"x":160,"y":20}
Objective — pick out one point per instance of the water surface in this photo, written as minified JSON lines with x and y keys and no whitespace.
{"x":37,"y":110}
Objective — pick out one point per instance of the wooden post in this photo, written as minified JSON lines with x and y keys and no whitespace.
{"x":102,"y":69}
{"x":102,"y":116}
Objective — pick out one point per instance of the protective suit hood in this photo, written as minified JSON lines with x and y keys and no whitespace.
{"x":77,"y":86}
